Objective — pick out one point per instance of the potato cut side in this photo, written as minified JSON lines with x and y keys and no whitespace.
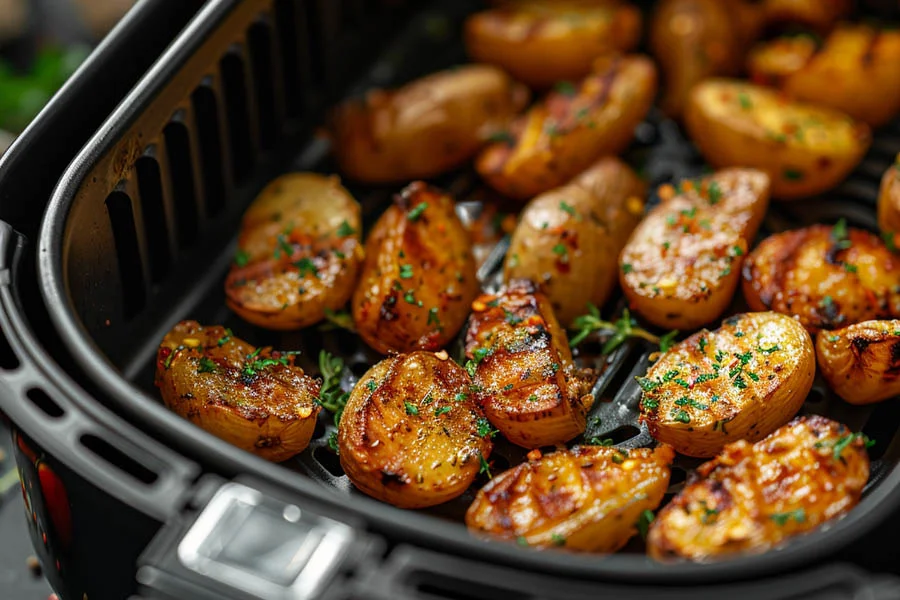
{"x":741,"y":381}
{"x":753,"y":497}
{"x":681,"y":265}
{"x":861,"y":363}
{"x":588,"y":498}
{"x":253,"y":398}
{"x":411,"y":434}
{"x":889,"y":206}
{"x":522,"y":366}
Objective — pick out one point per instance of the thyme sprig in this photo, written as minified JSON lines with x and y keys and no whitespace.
{"x":619,"y":331}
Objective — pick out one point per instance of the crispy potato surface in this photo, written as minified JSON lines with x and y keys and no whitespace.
{"x":806,"y":149}
{"x":681,"y":265}
{"x":522,"y":366}
{"x":861,"y":363}
{"x":741,"y":381}
{"x":889,"y":205}
{"x":827,"y":277}
{"x":587,"y":498}
{"x":419,"y":279}
{"x":299,"y":253}
{"x":568,"y":240}
{"x":752,"y":497}
{"x":253,"y":398}
{"x":411,"y":434}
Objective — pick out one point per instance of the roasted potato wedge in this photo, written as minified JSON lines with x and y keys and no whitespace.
{"x":568,"y":240}
{"x":681,"y":265}
{"x":411,"y":434}
{"x":419,"y":279}
{"x":889,"y":205}
{"x":587,"y":498}
{"x":253,"y":398}
{"x":425,"y":128}
{"x":524,"y":376}
{"x":542,"y":42}
{"x":571,"y":128}
{"x":805,"y":149}
{"x":696,"y":39}
{"x":827,"y":277}
{"x":861,"y":363}
{"x":820,"y":15}
{"x":857,"y":71}
{"x":299,"y":253}
{"x":741,"y":381}
{"x":753,"y":497}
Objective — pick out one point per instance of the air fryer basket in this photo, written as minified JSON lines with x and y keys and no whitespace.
{"x":141,"y":230}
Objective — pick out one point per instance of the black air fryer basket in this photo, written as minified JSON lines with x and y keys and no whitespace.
{"x":124,"y":496}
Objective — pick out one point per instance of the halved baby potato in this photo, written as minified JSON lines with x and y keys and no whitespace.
{"x":520,"y":360}
{"x":806,"y":149}
{"x":426,"y":127}
{"x":856,"y":71}
{"x":861,"y":363}
{"x":571,"y":128}
{"x":826,"y":277}
{"x":568,"y":240}
{"x":752,"y":497}
{"x":741,"y":381}
{"x":299,"y":253}
{"x":253,"y":398}
{"x":542,"y":42}
{"x":588,"y":498}
{"x":889,"y":205}
{"x":419,"y":276}
{"x":682,"y":263}
{"x":411,"y":434}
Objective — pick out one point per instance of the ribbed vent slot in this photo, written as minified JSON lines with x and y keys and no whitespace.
{"x":289,"y":40}
{"x":117,"y":458}
{"x":259,"y":40}
{"x":212,"y":156}
{"x":234,"y":84}
{"x":154,"y":213}
{"x":44,"y":402}
{"x":181,"y":171}
{"x":121,"y":219}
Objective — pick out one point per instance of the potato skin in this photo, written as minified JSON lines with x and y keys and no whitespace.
{"x":568,"y":130}
{"x":409,"y":434}
{"x":889,"y":204}
{"x":861,"y":363}
{"x":568,"y":239}
{"x":419,"y":276}
{"x":542,"y":42}
{"x":255,"y":399}
{"x":587,"y":498}
{"x":681,"y":265}
{"x":805,"y":273}
{"x":741,"y":381}
{"x":857,"y":71}
{"x":424,"y":128}
{"x":806,"y":149}
{"x":522,"y":366}
{"x":299,"y":253}
{"x":752,"y":497}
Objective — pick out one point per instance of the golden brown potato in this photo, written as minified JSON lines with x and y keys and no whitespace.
{"x":253,"y":398}
{"x":751,"y":498}
{"x":542,"y":42}
{"x":568,"y":240}
{"x":299,"y":253}
{"x":696,"y":39}
{"x":889,"y":205}
{"x":805,"y":149}
{"x":419,"y":276}
{"x":411,"y":435}
{"x":826,"y":277}
{"x":681,"y":265}
{"x":741,"y":381}
{"x":524,"y":376}
{"x":570,"y":128}
{"x":425,"y":128}
{"x":587,"y":498}
{"x":821,"y":15}
{"x":857,"y":71}
{"x":861,"y":363}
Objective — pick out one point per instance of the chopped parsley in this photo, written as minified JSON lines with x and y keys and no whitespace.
{"x":416,"y":212}
{"x":443,"y":410}
{"x":484,"y":428}
{"x":406,"y":272}
{"x":841,"y":444}
{"x":567,"y":208}
{"x":411,"y":409}
{"x":644,"y":521}
{"x":839,"y":234}
{"x":502,"y":136}
{"x":532,"y":398}
{"x":781,"y":519}
{"x":331,"y":397}
{"x":305,"y":266}
{"x":681,"y":415}
{"x":560,"y":250}
{"x":206,"y":366}
{"x":744,"y":101}
{"x":792,"y":174}
{"x":566,"y":88}
{"x":225,"y":338}
{"x":770,"y":350}
{"x":558,"y":540}
{"x":702,"y":344}
{"x":715,"y":192}
{"x":345,"y":229}
{"x":241,"y":258}
{"x":433,"y":318}
{"x":485,"y":466}
{"x":371,"y":385}
{"x":627,"y":268}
